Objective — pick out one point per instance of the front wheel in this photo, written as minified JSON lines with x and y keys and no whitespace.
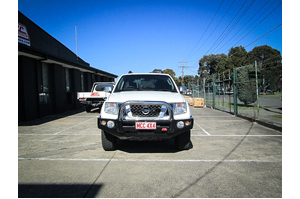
{"x":88,"y":108}
{"x":108,"y":141}
{"x":183,"y":140}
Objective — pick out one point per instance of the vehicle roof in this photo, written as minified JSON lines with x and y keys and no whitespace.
{"x":146,"y":74}
{"x":104,"y":82}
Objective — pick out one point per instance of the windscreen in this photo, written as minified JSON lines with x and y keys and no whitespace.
{"x":101,"y":87}
{"x":145,"y":83}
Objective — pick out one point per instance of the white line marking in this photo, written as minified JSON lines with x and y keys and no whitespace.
{"x":73,"y":126}
{"x":143,"y":160}
{"x":66,"y":159}
{"x":60,"y":134}
{"x":201,"y":128}
{"x":191,"y":135}
{"x":210,"y":116}
{"x":238,"y":135}
{"x":82,"y":116}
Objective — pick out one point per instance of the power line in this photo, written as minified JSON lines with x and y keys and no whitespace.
{"x":255,"y":20}
{"x":206,"y":29}
{"x":234,"y":25}
{"x":227,"y":26}
{"x":258,"y":23}
{"x":244,"y":25}
{"x":215,"y":27}
{"x":264,"y":35}
{"x":229,"y":29}
{"x":261,"y":37}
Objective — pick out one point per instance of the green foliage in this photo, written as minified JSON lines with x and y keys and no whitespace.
{"x":266,"y":56}
{"x":208,"y":64}
{"x":157,"y":71}
{"x":246,"y":84}
{"x":211,"y":64}
{"x":269,"y":64}
{"x":170,"y":72}
{"x":238,"y":56}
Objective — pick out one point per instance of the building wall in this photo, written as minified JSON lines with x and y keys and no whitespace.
{"x":37,"y":98}
{"x":49,"y":74}
{"x":27,"y":94}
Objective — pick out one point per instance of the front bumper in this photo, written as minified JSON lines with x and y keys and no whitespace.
{"x":165,"y":129}
{"x":92,"y":102}
{"x":124,"y":127}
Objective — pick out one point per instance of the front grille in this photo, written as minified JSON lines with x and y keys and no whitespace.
{"x":139,"y":110}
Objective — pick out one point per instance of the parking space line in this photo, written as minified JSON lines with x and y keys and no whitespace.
{"x":73,"y":126}
{"x":201,"y":128}
{"x":211,"y":116}
{"x":240,"y":135}
{"x":82,"y":116}
{"x":142,"y":160}
{"x":57,"y":134}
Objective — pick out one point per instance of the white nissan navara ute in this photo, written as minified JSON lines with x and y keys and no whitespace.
{"x":145,"y":107}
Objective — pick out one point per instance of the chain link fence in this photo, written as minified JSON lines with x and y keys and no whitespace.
{"x":253,"y":91}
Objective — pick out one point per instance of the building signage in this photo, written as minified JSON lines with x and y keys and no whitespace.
{"x":23,"y":36}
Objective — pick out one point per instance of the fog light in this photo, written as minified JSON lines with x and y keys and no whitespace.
{"x":180,"y":124}
{"x":110,"y":124}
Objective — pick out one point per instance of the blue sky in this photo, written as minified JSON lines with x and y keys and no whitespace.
{"x":138,"y":35}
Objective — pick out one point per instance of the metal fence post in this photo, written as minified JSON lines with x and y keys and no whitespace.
{"x":257,"y":97}
{"x":214,"y":91}
{"x":234,"y":92}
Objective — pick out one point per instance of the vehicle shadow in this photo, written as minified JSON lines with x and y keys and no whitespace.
{"x":58,"y":190}
{"x":50,"y":118}
{"x":164,"y":146}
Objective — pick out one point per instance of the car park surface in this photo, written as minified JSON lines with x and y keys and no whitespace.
{"x":61,"y":156}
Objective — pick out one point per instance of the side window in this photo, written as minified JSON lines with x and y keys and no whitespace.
{"x":120,"y":85}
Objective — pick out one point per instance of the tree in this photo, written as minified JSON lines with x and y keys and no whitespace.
{"x":246,"y":87}
{"x":170,"y":72}
{"x":208,"y":63}
{"x":238,"y":56}
{"x":269,"y":64}
{"x":265,"y":55}
{"x":188,"y":79}
{"x":157,"y":71}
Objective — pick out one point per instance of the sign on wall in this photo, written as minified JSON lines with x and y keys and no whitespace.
{"x":23,"y":36}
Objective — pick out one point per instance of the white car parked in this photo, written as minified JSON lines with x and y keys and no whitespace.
{"x":145,"y":107}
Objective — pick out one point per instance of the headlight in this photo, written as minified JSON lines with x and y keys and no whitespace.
{"x":180,"y":124}
{"x":110,"y":124}
{"x":180,"y":108}
{"x":111,"y":108}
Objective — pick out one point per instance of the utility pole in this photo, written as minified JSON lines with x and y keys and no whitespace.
{"x":183,"y":66}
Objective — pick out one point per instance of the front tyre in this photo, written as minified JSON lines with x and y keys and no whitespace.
{"x":183,"y":140}
{"x":88,"y":108}
{"x":108,"y":141}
